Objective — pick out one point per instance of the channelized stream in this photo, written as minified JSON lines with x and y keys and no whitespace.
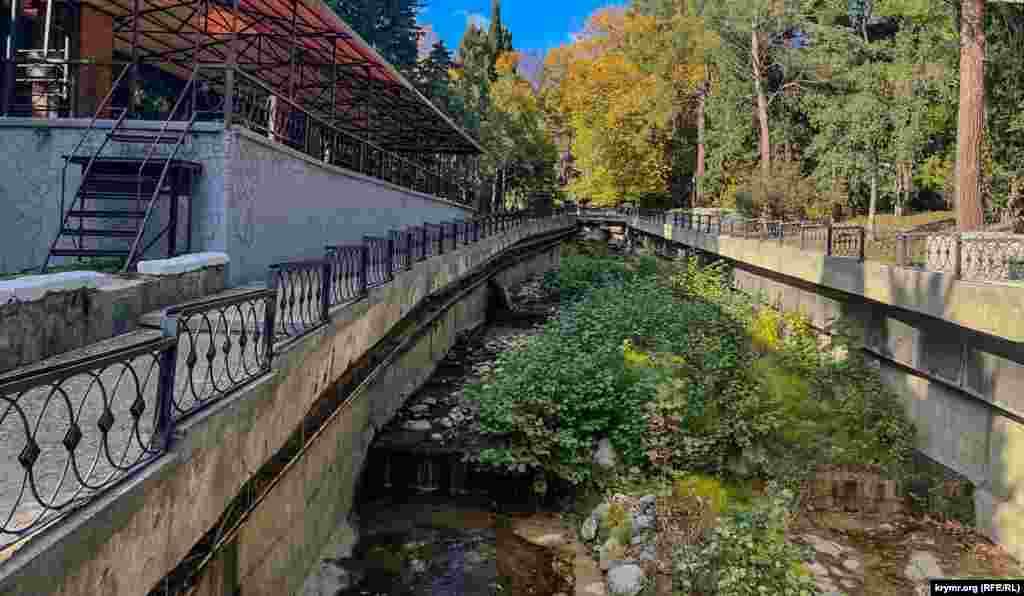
{"x":428,"y":522}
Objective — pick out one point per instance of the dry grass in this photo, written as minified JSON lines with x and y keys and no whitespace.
{"x":904,"y":222}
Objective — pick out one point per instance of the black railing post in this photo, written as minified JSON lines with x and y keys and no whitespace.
{"x":828,"y":240}
{"x":440,"y":239}
{"x":423,"y":244}
{"x":364,"y":268}
{"x":958,"y":255}
{"x":325,"y":290}
{"x":408,"y":250}
{"x":168,"y":364}
{"x":391,"y":256}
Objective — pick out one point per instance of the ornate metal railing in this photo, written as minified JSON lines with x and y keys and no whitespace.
{"x":379,"y":270}
{"x":77,"y":428}
{"x":223,"y":344}
{"x":978,"y":256}
{"x":347,"y":266}
{"x":300,"y":288}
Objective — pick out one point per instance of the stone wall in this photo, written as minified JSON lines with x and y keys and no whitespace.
{"x":131,"y":538}
{"x":64,"y":320}
{"x":281,"y":204}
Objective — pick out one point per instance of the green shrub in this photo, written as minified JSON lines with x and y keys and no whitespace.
{"x":746,"y":554}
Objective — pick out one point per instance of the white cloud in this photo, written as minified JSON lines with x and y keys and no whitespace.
{"x":474,"y":18}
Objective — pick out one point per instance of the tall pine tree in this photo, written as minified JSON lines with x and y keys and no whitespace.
{"x":387,"y":25}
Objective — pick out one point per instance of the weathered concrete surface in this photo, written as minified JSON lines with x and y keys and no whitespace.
{"x":260,"y":202}
{"x":959,"y":366}
{"x":127,"y":541}
{"x":30,"y":180}
{"x":996,"y":309}
{"x":67,"y":320}
{"x":269,"y":184}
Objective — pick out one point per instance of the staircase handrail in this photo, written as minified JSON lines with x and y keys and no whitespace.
{"x":163,"y":173}
{"x":74,"y":151}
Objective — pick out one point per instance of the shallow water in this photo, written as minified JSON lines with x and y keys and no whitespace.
{"x":432,"y":546}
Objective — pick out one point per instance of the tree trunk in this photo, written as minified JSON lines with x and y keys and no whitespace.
{"x":699,"y":176}
{"x":969,"y":208}
{"x":872,"y":206}
{"x":762,"y":104}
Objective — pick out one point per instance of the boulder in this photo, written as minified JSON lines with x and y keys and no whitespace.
{"x":626,"y":580}
{"x":589,"y":529}
{"x":642,"y":523}
{"x":605,"y":455}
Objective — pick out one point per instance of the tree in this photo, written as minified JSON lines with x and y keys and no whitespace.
{"x":431,"y":76}
{"x":387,"y":25}
{"x":970,"y":212}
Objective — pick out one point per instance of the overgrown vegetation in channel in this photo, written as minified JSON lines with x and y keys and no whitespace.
{"x":680,"y":373}
{"x":703,"y":397}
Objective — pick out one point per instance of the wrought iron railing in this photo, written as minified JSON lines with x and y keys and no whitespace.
{"x":223,"y":344}
{"x":80,"y":427}
{"x":977,"y":256}
{"x":347,"y":265}
{"x":381,"y":258}
{"x":300,"y":288}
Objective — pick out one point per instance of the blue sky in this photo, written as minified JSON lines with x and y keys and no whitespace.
{"x":535,"y":24}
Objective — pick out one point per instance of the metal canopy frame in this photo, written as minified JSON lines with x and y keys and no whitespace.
{"x":299,"y":48}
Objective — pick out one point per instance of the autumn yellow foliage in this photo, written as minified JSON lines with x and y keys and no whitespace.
{"x":622,"y":89}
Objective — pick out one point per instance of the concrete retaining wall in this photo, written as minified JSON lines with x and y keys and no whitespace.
{"x":260,"y":202}
{"x":281,"y":204}
{"x":128,"y":540}
{"x":951,"y":349}
{"x":31,"y":162}
{"x":66,"y":320}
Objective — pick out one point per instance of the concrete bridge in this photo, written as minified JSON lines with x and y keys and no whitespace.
{"x":253,"y":488}
{"x":951,"y":348}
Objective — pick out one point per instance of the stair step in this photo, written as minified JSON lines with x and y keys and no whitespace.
{"x":167,"y":137}
{"x":88,"y":252}
{"x":122,"y":178}
{"x":101,"y":195}
{"x":108,"y":213}
{"x":99,"y":233}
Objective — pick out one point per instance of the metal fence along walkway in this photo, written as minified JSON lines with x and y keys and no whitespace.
{"x":76,"y":426}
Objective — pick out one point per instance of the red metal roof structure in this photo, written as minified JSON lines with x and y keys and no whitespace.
{"x":301,"y":49}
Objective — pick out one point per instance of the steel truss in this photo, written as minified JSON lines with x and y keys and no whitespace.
{"x":300,"y":49}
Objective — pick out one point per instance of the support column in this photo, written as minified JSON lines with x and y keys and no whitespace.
{"x":12,"y":45}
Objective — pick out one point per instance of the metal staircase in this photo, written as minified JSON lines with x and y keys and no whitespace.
{"x":117,"y":196}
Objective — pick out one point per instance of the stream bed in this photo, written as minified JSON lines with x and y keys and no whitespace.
{"x":427,"y":522}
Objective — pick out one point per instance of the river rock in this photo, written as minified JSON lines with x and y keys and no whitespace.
{"x":642,"y":523}
{"x":600,"y":512}
{"x":331,"y":577}
{"x":589,"y":529}
{"x":921,"y":566}
{"x":611,"y":553}
{"x":646,"y":504}
{"x":417,"y":425}
{"x":419,"y":409}
{"x":605,"y":455}
{"x":626,"y":580}
{"x":447,"y":422}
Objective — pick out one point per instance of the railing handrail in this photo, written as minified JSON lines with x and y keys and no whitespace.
{"x":207,"y":303}
{"x":344,"y":133}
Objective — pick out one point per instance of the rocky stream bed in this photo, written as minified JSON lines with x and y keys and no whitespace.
{"x":429,"y":524}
